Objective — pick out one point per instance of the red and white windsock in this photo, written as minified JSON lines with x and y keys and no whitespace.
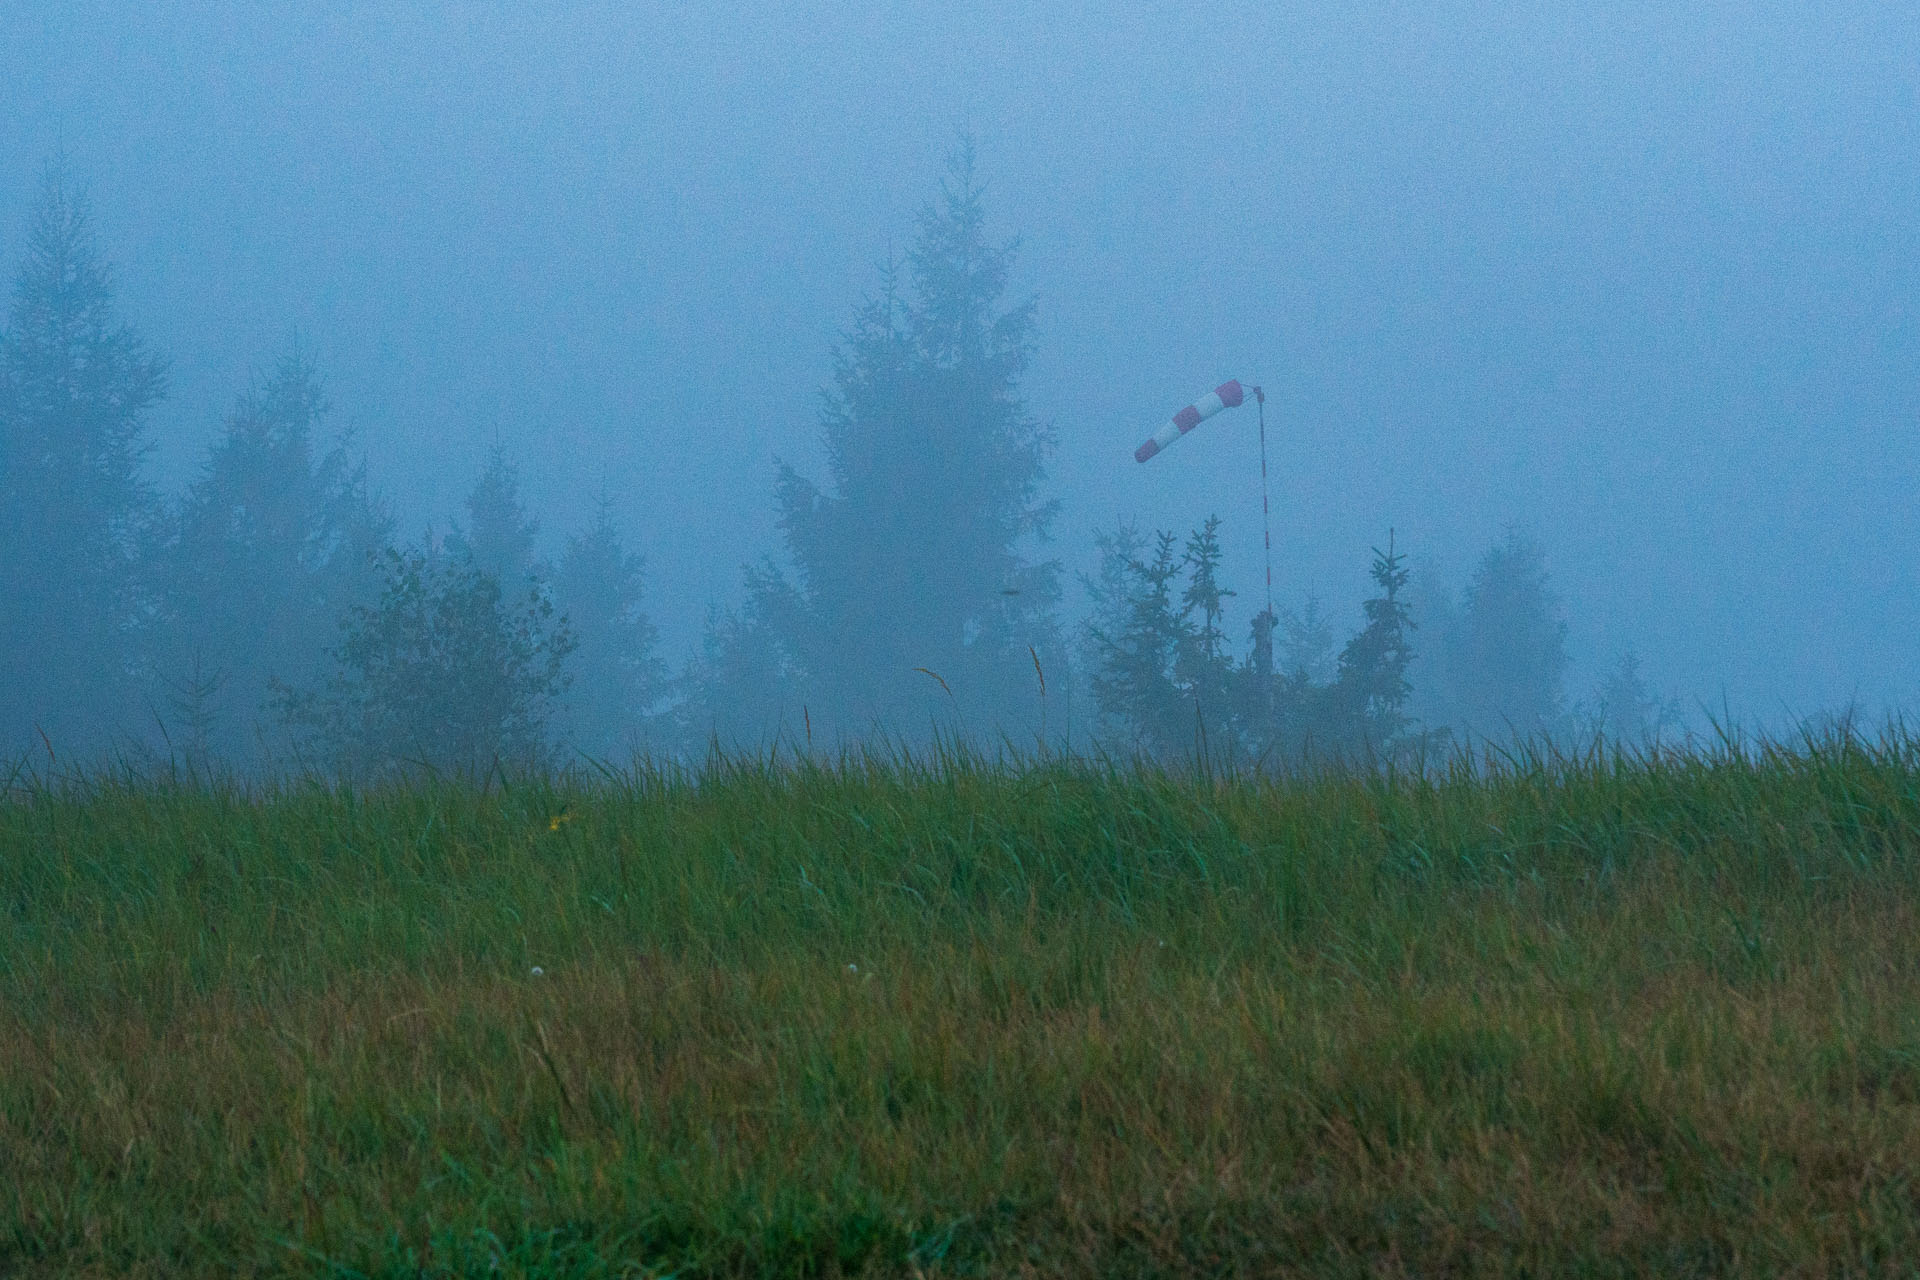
{"x":1228,"y":395}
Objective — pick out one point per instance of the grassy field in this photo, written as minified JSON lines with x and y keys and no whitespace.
{"x":1589,"y":1016}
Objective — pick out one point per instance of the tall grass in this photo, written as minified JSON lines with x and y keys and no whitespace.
{"x":1596,"y":1013}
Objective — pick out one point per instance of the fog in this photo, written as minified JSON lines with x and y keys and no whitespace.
{"x":1634,"y":282}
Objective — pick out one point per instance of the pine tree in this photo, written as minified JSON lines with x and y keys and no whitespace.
{"x":75,"y":388}
{"x":1369,"y":696}
{"x":268,"y":549}
{"x":1156,"y":649}
{"x":499,"y":535}
{"x":1278,"y":699}
{"x":1306,"y":645}
{"x":1110,"y":593}
{"x":1133,"y":642}
{"x":1203,"y":669}
{"x":1507,"y":660}
{"x":1432,"y":604}
{"x":1625,"y":710}
{"x":737,"y":693}
{"x":915,"y":558}
{"x":617,"y":677}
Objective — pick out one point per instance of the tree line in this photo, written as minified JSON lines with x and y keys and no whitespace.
{"x":270,"y":617}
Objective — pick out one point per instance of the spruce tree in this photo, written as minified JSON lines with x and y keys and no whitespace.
{"x":269,"y":548}
{"x":499,"y":536}
{"x":76,"y":385}
{"x":1507,"y":658}
{"x":1296,"y":711}
{"x":740,"y":692}
{"x":1369,"y":695}
{"x":1157,"y":653}
{"x":1626,"y":712}
{"x":915,"y":557}
{"x":1110,"y":592}
{"x":617,"y":677}
{"x":1203,"y":669}
{"x":1434,"y":606}
{"x":1306,"y":645}
{"x":1134,"y":643}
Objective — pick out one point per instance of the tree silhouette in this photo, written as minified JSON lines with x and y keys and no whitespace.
{"x":272,"y":544}
{"x":914,"y":558}
{"x":75,"y":388}
{"x":1506,"y":659}
{"x":1369,"y":695}
{"x":498,"y":537}
{"x":442,"y":672}
{"x":617,"y":677}
{"x":1135,"y":641}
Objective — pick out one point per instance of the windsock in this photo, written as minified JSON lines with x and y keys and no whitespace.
{"x":1227,"y":395}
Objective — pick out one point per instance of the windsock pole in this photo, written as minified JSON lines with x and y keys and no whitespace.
{"x":1266,"y":517}
{"x":1228,"y":395}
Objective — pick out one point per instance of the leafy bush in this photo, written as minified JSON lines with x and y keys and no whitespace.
{"x":442,"y":673}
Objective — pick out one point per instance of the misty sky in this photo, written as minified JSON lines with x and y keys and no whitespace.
{"x":1641,"y":277}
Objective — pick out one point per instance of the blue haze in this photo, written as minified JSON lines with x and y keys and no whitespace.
{"x":1640,"y":277}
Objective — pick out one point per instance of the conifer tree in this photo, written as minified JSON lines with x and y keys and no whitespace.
{"x":1156,"y":649}
{"x":1288,"y":711}
{"x":1110,"y":592}
{"x":1134,"y":645}
{"x":617,"y":677}
{"x":1306,"y":646}
{"x":1369,"y":696}
{"x":499,"y":535}
{"x":1433,"y":605}
{"x":268,"y":549}
{"x":739,"y":691}
{"x":1203,"y":669}
{"x":1626,"y":712}
{"x":1507,"y":657}
{"x":915,"y":558}
{"x":76,"y":385}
